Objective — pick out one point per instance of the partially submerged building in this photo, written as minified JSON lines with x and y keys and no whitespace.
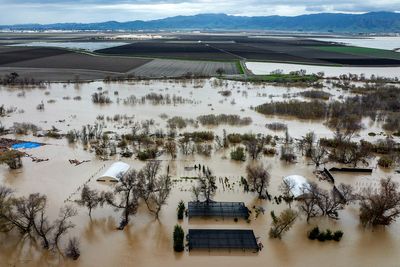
{"x":217,"y":209}
{"x":114,"y":172}
{"x":222,"y":239}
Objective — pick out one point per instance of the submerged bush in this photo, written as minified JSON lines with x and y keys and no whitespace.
{"x":238,"y":154}
{"x":385,"y":162}
{"x":314,"y":233}
{"x":230,"y":119}
{"x":150,"y":153}
{"x":100,"y":98}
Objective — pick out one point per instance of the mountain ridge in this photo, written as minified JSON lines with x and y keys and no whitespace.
{"x":371,"y":22}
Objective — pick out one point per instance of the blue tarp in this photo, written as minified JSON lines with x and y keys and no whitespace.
{"x":26,"y":145}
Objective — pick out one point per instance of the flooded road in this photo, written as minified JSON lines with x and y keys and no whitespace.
{"x":148,"y":242}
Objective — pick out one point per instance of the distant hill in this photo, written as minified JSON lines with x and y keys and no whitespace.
{"x":382,"y":22}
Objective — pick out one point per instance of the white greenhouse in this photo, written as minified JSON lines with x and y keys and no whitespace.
{"x":113,"y":173}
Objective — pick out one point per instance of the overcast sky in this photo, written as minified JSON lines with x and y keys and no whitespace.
{"x":50,"y":11}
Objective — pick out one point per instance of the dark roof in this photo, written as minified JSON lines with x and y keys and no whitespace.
{"x":223,"y":239}
{"x":214,"y":209}
{"x":334,"y":169}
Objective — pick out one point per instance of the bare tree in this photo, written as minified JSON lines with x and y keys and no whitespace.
{"x":160,"y":194}
{"x":196,"y":193}
{"x":282,"y":223}
{"x":381,"y":208}
{"x":90,"y":199}
{"x":207,"y":185}
{"x":28,"y":215}
{"x":318,"y":155}
{"x":125,"y":196}
{"x":254,"y":147}
{"x":308,"y":201}
{"x":170,"y":147}
{"x":316,"y":201}
{"x":63,"y":223}
{"x":286,"y":188}
{"x":258,"y":178}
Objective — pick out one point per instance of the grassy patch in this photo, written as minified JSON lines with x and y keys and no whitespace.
{"x":239,"y":67}
{"x":285,"y":78}
{"x":360,"y":51}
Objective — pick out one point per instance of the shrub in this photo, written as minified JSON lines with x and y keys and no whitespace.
{"x":200,"y":136}
{"x":321,"y":237}
{"x":178,"y":236}
{"x":337,"y":236}
{"x":100,"y":98}
{"x":238,"y":154}
{"x":385,"y":162}
{"x":229,"y":119}
{"x":314,"y":233}
{"x":150,"y":153}
{"x":181,"y":210}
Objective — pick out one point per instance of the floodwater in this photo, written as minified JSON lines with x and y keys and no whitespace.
{"x":379,"y":42}
{"x":260,"y":68}
{"x":147,"y":242}
{"x":89,"y":46}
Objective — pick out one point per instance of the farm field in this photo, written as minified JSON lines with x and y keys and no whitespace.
{"x":176,"y":68}
{"x":225,"y":47}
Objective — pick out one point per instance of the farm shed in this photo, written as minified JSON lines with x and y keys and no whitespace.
{"x":222,"y":239}
{"x":113,"y":173}
{"x":221,"y":209}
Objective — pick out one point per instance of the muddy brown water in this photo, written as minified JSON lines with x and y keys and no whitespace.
{"x":148,"y":242}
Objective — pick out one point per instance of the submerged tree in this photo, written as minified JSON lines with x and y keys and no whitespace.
{"x":12,"y":158}
{"x":282,"y":223}
{"x":258,"y":177}
{"x":315,"y":201}
{"x":28,"y":216}
{"x":207,"y":185}
{"x":125,"y":196}
{"x":72,"y":250}
{"x":286,"y":188}
{"x":381,"y":208}
{"x":90,"y":199}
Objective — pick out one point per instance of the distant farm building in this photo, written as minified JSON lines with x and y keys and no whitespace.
{"x":114,"y":173}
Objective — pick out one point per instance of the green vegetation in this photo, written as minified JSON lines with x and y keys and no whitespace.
{"x":178,"y":236}
{"x":229,"y":119}
{"x":200,"y":136}
{"x":285,"y":78}
{"x":385,"y":162}
{"x":238,"y":154}
{"x":239,"y":67}
{"x":360,"y":51}
{"x":181,"y":210}
{"x":147,"y":154}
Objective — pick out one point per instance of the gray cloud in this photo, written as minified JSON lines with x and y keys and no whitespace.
{"x":49,"y":11}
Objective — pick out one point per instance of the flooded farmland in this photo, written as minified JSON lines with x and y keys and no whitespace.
{"x":148,"y":242}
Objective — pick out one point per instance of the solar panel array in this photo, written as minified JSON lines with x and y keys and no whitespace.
{"x":218,"y":209}
{"x":223,"y":239}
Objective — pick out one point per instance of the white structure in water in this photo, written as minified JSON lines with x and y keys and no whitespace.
{"x":113,"y":173}
{"x":299,"y":182}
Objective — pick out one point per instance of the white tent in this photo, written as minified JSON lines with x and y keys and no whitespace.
{"x":299,"y":182}
{"x":113,"y":173}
